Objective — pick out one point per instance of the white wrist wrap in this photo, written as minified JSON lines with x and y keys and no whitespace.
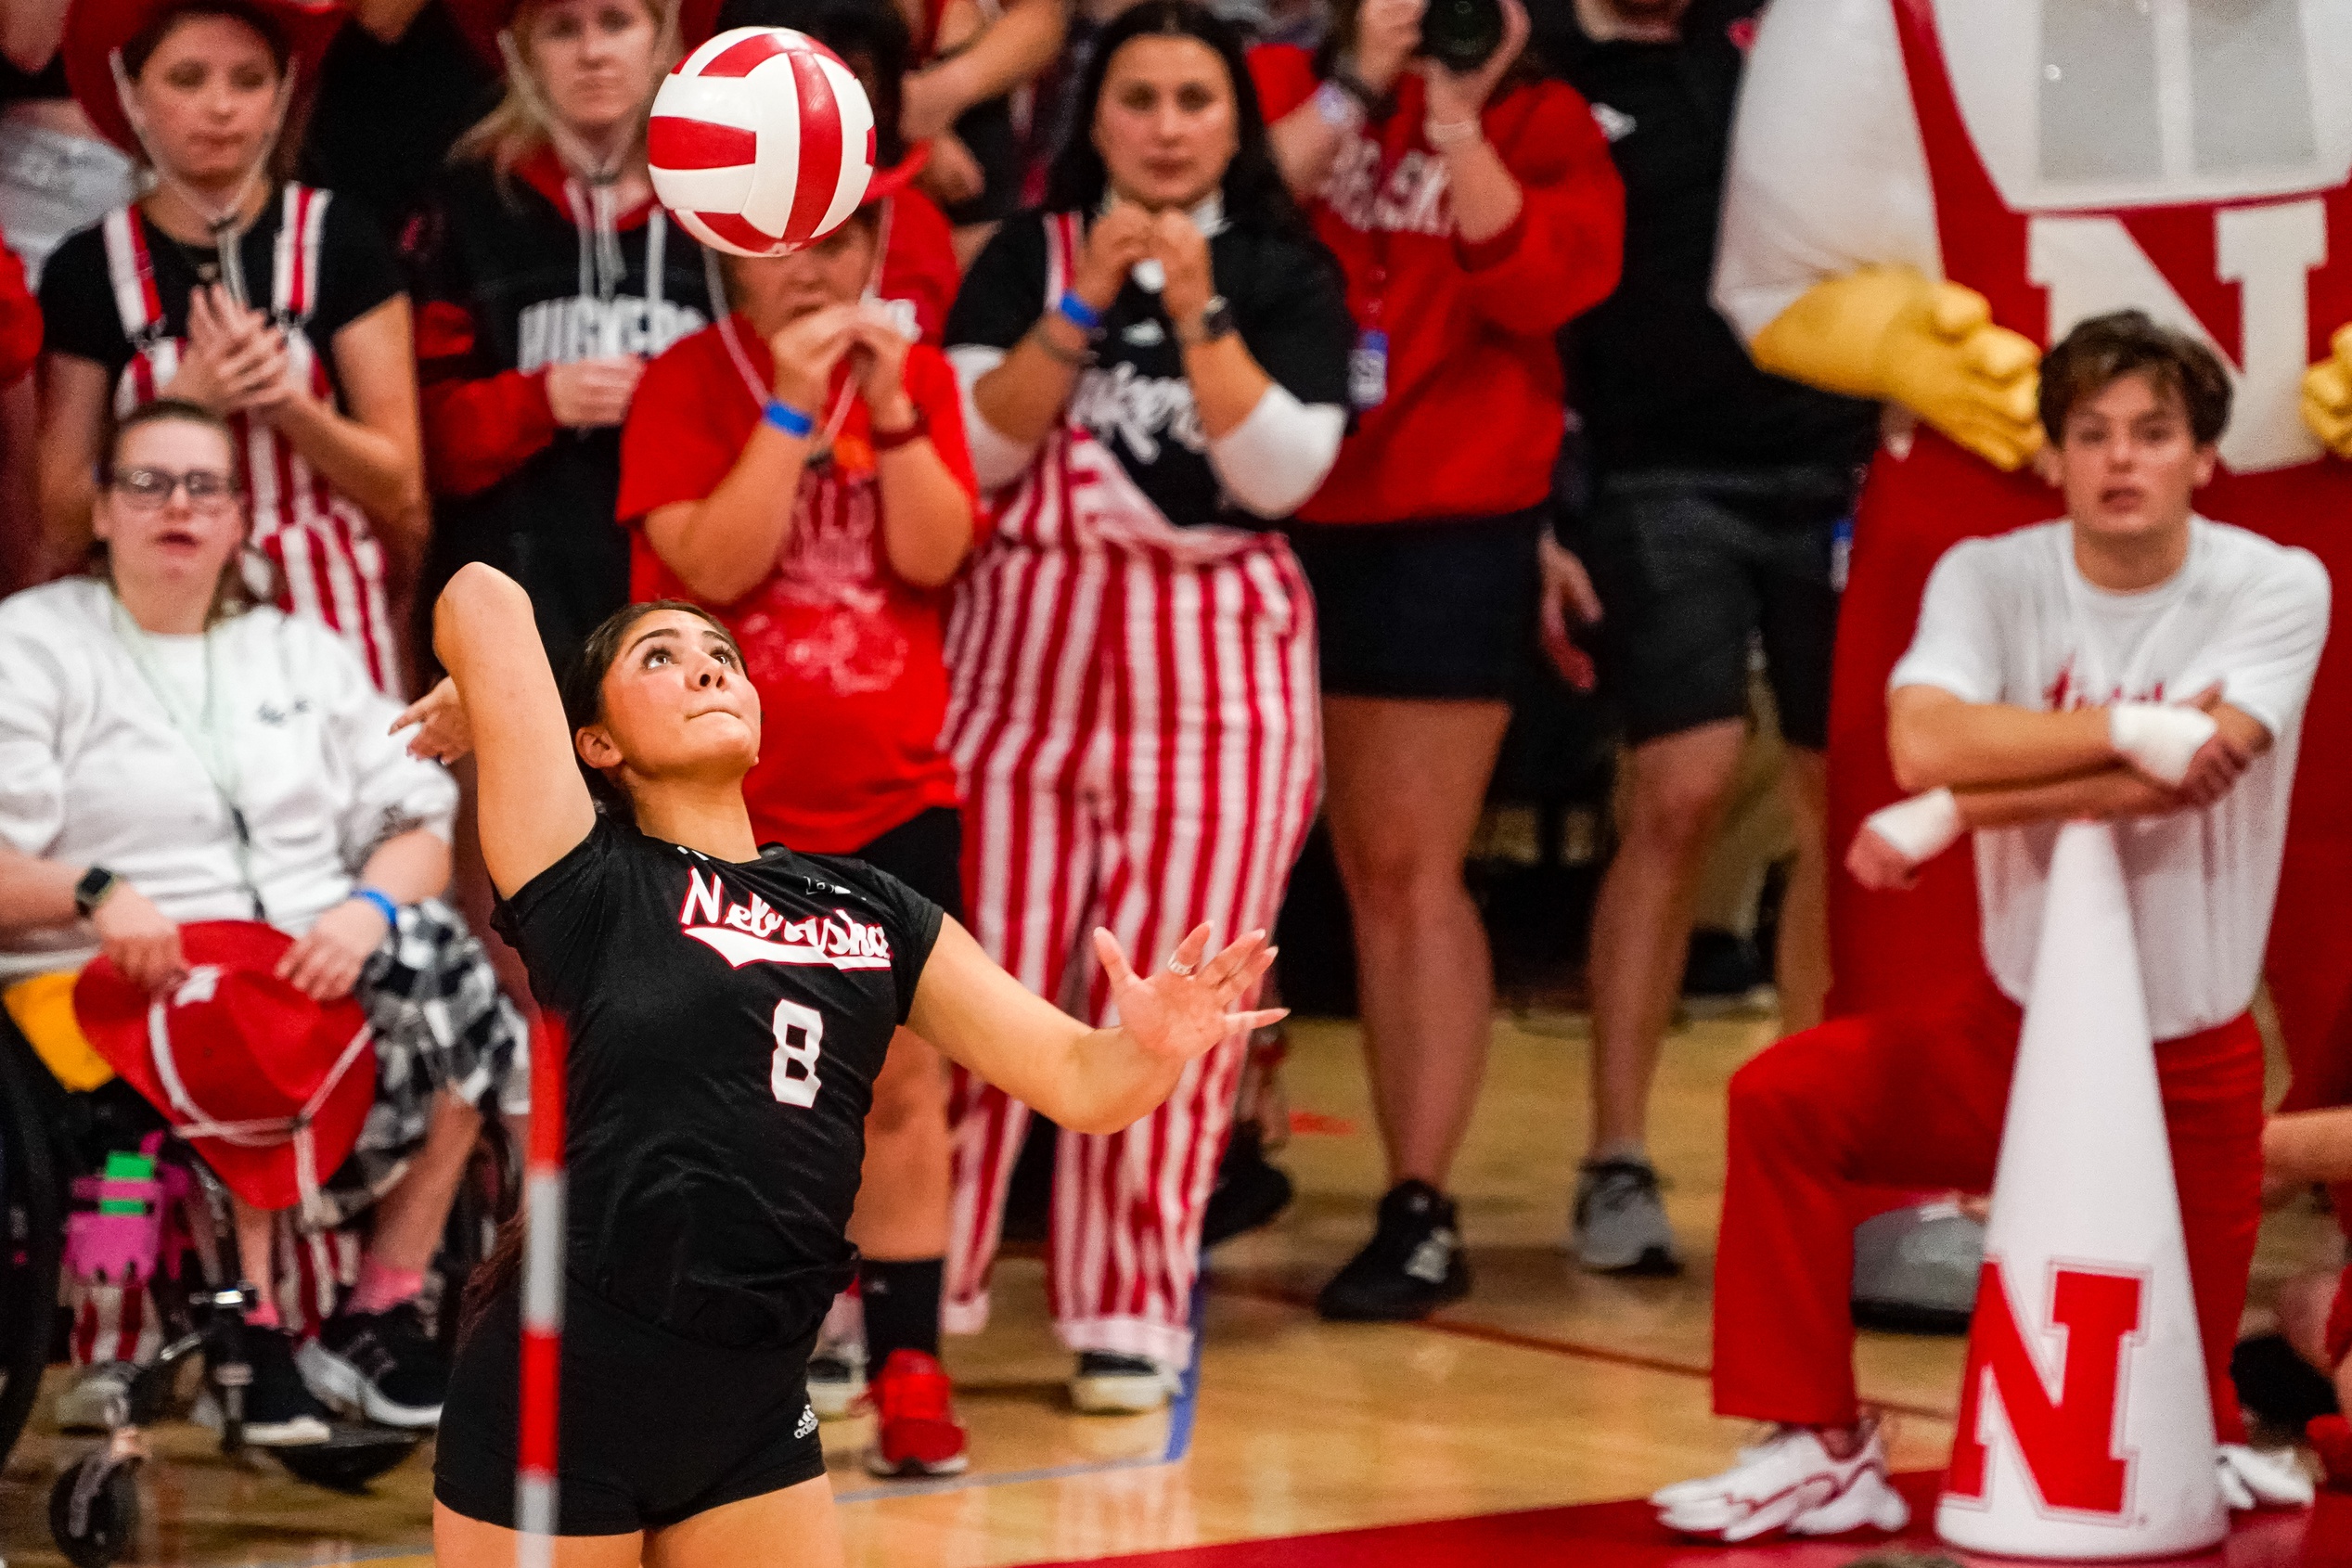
{"x":2158,"y":739}
{"x":1919,"y":828}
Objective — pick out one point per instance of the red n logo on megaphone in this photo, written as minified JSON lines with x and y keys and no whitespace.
{"x":2068,"y":1441}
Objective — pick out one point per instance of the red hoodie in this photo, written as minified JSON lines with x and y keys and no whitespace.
{"x":1475,"y":407}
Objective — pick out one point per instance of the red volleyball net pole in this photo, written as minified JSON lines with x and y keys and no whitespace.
{"x":542,"y":1299}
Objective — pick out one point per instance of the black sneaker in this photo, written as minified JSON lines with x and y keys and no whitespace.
{"x":281,"y":1411}
{"x":1251,"y":1190}
{"x":1724,"y":975}
{"x":1413,"y":1264}
{"x":381,"y":1367}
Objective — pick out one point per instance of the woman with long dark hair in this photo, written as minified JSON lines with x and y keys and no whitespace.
{"x":729,"y":1009}
{"x":1155,"y":368}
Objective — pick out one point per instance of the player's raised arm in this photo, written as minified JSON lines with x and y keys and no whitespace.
{"x":500,"y":700}
{"x":1088,"y":1080}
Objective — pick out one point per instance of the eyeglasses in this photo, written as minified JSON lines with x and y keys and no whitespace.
{"x":149,"y":490}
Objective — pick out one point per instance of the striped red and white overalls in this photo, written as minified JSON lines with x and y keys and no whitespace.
{"x":321,"y":541}
{"x":1132,"y":717}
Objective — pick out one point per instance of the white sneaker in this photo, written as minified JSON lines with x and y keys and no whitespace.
{"x":1787,"y":1483}
{"x":1111,"y":1384}
{"x":2251,"y":1480}
{"x":837,"y":1379}
{"x":100,"y":1400}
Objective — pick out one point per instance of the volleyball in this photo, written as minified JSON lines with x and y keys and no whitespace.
{"x":761,"y":142}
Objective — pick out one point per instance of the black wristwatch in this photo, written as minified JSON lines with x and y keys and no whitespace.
{"x":1215,"y":321}
{"x":92,"y":890}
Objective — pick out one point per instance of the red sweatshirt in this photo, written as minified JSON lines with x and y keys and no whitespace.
{"x":1472,"y":419}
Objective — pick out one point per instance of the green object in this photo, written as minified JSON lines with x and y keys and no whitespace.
{"x":127,"y":1168}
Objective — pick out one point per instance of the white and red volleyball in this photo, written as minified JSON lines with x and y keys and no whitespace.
{"x":761,"y":142}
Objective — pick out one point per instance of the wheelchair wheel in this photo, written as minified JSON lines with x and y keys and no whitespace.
{"x":32,"y":1235}
{"x":349,"y":1460}
{"x":93,"y":1510}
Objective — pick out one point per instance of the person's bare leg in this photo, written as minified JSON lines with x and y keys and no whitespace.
{"x":1641,"y":919}
{"x":459,"y":1542}
{"x":794,"y":1528}
{"x":256,"y":1257}
{"x":1407,"y":782}
{"x":411,"y":1217}
{"x":902,"y":1191}
{"x":1801,"y":966}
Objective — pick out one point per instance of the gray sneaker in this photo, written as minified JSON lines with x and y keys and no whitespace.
{"x":1620,"y":1226}
{"x":99,"y":1400}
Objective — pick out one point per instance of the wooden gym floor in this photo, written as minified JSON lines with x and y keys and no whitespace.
{"x":1548,"y":1388}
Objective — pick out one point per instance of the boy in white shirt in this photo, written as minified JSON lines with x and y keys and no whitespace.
{"x":2136,"y":663}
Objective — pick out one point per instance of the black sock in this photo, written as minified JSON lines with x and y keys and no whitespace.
{"x":901,"y":1306}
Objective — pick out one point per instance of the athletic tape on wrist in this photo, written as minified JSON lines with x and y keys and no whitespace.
{"x":1919,"y":828}
{"x":2159,"y":739}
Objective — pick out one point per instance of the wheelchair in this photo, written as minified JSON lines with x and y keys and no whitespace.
{"x":54,"y":1149}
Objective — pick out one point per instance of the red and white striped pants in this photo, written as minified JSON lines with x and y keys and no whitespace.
{"x":1134,"y":718}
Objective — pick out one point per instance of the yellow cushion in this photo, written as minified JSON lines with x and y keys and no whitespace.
{"x":43,"y":1007}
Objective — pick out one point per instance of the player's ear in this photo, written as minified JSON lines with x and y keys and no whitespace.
{"x":596,"y":747}
{"x":2208,"y":457}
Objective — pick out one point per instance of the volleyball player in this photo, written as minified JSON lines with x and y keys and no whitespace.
{"x":729,"y":1007}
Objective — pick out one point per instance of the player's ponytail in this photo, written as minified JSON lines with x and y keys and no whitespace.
{"x":584,"y":689}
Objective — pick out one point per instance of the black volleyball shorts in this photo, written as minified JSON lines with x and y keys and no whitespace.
{"x":651,"y":1428}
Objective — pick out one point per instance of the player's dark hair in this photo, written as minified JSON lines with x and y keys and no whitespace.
{"x":2104,"y":349}
{"x":583,"y":686}
{"x":1254,"y":193}
{"x":142,"y":44}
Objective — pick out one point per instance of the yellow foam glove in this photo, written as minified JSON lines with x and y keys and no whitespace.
{"x":2327,"y":395}
{"x":1895,"y":335}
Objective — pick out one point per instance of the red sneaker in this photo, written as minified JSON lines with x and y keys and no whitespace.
{"x":915,"y":1428}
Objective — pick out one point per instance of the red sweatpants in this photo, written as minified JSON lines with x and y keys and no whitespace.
{"x":1917,"y":1099}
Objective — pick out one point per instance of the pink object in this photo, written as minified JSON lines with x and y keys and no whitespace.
{"x":380,"y":1288}
{"x":114,"y":1248}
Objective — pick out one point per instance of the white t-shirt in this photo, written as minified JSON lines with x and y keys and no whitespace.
{"x":94,"y":771}
{"x":2011,"y":619}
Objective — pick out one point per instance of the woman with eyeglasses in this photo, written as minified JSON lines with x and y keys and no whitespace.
{"x":270,"y":303}
{"x":291,"y":805}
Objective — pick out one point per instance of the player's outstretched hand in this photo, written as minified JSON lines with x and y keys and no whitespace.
{"x":442,"y":735}
{"x":1188,"y":1007}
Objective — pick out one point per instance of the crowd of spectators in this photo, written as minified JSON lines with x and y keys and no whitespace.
{"x":1170,"y":443}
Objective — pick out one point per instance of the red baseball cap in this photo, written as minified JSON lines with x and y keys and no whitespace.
{"x":234,"y":1044}
{"x":96,"y":29}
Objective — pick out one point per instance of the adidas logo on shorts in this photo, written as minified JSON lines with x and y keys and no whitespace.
{"x":807,"y":1422}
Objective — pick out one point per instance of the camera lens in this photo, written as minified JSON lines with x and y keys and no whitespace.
{"x":1462,"y":34}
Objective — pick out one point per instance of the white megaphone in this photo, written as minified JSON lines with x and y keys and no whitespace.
{"x":2086,"y":1431}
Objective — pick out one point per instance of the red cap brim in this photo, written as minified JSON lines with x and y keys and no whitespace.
{"x":94,"y":29}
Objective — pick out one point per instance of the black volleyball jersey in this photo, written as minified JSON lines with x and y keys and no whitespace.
{"x":727,"y":1023}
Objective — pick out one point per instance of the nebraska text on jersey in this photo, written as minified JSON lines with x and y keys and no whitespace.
{"x":754,"y":934}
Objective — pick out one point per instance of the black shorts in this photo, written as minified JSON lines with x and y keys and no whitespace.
{"x":1424,"y":609}
{"x":1693,"y":567}
{"x":926,"y":853}
{"x":651,"y":1428}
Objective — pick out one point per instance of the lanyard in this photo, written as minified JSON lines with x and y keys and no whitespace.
{"x":215,"y":751}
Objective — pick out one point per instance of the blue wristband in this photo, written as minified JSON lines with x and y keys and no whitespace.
{"x":1079,"y":314}
{"x":786,"y":417}
{"x":383,"y":904}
